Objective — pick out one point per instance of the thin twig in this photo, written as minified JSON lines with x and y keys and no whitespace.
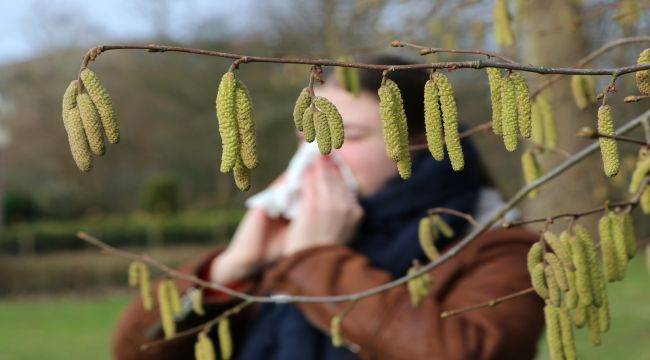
{"x":441,"y":210}
{"x":635,"y":98}
{"x":593,"y":134}
{"x":493,"y":302}
{"x":424,"y":50}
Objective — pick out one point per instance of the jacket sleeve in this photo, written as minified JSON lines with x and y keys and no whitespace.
{"x":387,"y":326}
{"x":136,"y":326}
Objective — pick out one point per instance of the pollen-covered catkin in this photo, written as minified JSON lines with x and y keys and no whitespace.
{"x":643,"y":76}
{"x":197,"y":302}
{"x":554,"y":292}
{"x":645,"y":201}
{"x":433,"y":121}
{"x":134,"y":276}
{"x":242,"y":176}
{"x":503,"y":33}
{"x":450,"y":121}
{"x":532,"y":170}
{"x":608,"y":147}
{"x":494,"y":79}
{"x":553,"y":332}
{"x":77,"y":140}
{"x":404,"y":168}
{"x":204,"y":349}
{"x":604,"y":317}
{"x":390,"y":123}
{"x":640,"y":172}
{"x":302,"y":103}
{"x":558,"y":271}
{"x":227,"y":117}
{"x":442,"y":226}
{"x":145,"y":287}
{"x":402,"y":124}
{"x":579,"y":318}
{"x":69,"y":100}
{"x":166,"y":311}
{"x":560,"y":249}
{"x":334,"y":120}
{"x":427,"y":235}
{"x":92,"y":124}
{"x":174,"y":297}
{"x":583,"y":279}
{"x":225,"y":339}
{"x":308,"y":128}
{"x":418,"y":287}
{"x":537,"y":125}
{"x":509,"y":113}
{"x":584,"y":90}
{"x":335,"y":331}
{"x":620,"y":246}
{"x":630,"y":236}
{"x":548,"y":121}
{"x":595,"y":274}
{"x":593,"y":321}
{"x":607,"y":248}
{"x":523,"y":104}
{"x":538,"y":281}
{"x":322,"y":133}
{"x":103,"y":103}
{"x":246,"y":126}
{"x":568,"y":342}
{"x":572,"y":294}
{"x":534,"y":256}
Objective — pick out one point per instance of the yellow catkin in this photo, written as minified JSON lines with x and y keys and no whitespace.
{"x":92,"y":123}
{"x":537,"y":125}
{"x":242,"y":176}
{"x":595,"y":274}
{"x":608,"y":147}
{"x":579,"y":317}
{"x":643,"y":76}
{"x":558,"y":271}
{"x":509,"y":113}
{"x":204,"y":349}
{"x":494,"y":79}
{"x":568,"y":342}
{"x":560,"y":249}
{"x":308,"y":129}
{"x":348,"y":77}
{"x":134,"y":273}
{"x":302,"y":103}
{"x":427,"y":235}
{"x":645,"y":201}
{"x":583,"y":279}
{"x":442,"y":226}
{"x":450,"y":121}
{"x":531,"y":169}
{"x":197,"y":302}
{"x":604,"y":317}
{"x":577,"y":90}
{"x":145,"y":287}
{"x":404,"y":168}
{"x":538,"y":281}
{"x":572,"y":294}
{"x":433,"y":121}
{"x":534,"y":257}
{"x":335,"y":331}
{"x":225,"y":339}
{"x":554,"y":292}
{"x":414,"y":286}
{"x":620,"y":246}
{"x":502,"y":29}
{"x":390,"y":125}
{"x":103,"y":103}
{"x":640,"y":172}
{"x":246,"y":126}
{"x":166,"y":311}
{"x":226,"y":115}
{"x":607,"y":248}
{"x":630,"y":236}
{"x":69,"y":100}
{"x":174,"y":297}
{"x":77,"y":140}
{"x":523,"y":104}
{"x":322,"y":133}
{"x":593,"y":321}
{"x":334,"y":121}
{"x":553,"y":332}
{"x":401,"y":116}
{"x":548,"y":121}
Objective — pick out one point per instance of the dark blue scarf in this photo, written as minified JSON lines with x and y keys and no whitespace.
{"x":388,"y":236}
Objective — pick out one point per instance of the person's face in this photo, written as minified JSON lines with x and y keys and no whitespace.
{"x":363,"y":150}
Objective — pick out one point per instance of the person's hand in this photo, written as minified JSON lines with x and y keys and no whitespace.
{"x":256,"y":243}
{"x":329,"y":211}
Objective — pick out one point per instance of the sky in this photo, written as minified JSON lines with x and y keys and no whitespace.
{"x":30,"y":27}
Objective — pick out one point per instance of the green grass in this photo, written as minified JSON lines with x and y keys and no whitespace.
{"x":79,"y":328}
{"x":66,"y":328}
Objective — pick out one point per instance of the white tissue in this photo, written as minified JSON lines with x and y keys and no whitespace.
{"x":284,"y":199}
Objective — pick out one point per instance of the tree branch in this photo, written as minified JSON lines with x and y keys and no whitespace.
{"x":493,"y":302}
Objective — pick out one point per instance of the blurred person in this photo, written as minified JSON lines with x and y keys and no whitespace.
{"x":343,"y":242}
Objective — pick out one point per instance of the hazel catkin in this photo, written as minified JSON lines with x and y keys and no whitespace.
{"x":494,"y":80}
{"x":302,"y":103}
{"x":619,"y":242}
{"x":203,"y":348}
{"x":145,"y":287}
{"x":643,"y":76}
{"x":242,"y":176}
{"x":607,"y":248}
{"x":227,"y":117}
{"x":225,"y":339}
{"x":579,"y":318}
{"x":595,"y":274}
{"x":245,"y":126}
{"x":390,"y":123}
{"x":77,"y":140}
{"x":568,"y":341}
{"x":640,"y":172}
{"x":593,"y":321}
{"x":583,"y":278}
{"x":197,"y":302}
{"x":433,"y":121}
{"x":608,"y":147}
{"x":560,"y":249}
{"x":554,"y":292}
{"x":503,"y":33}
{"x":509,"y":123}
{"x":427,"y":235}
{"x":534,"y":256}
{"x":584,"y":90}
{"x":92,"y":124}
{"x":630,"y":236}
{"x":558,"y":271}
{"x":334,"y":121}
{"x":166,"y":311}
{"x":322,"y":133}
{"x":308,"y":128}
{"x":538,"y":281}
{"x":335,"y":331}
{"x":450,"y":121}
{"x":103,"y":103}
{"x":134,"y":273}
{"x":553,"y":332}
{"x":531,"y":169}
{"x":523,"y":104}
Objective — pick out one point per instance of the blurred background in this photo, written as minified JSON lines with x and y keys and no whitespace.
{"x":159,"y":189}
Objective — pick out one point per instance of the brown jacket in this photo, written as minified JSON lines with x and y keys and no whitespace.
{"x":386,"y":326}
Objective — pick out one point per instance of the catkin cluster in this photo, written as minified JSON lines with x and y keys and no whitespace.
{"x":317,"y":118}
{"x":139,"y":275}
{"x":441,"y":121}
{"x":237,"y":129}
{"x":169,"y":304}
{"x":203,"y":348}
{"x":419,"y":286}
{"x":643,"y":76}
{"x":531,"y":168}
{"x":503,"y":34}
{"x":88,"y":116}
{"x":617,"y":243}
{"x":584,"y":90}
{"x":608,"y":146}
{"x":641,"y":171}
{"x":514,"y":108}
{"x":430,"y":228}
{"x":348,"y":77}
{"x":543,"y":130}
{"x":394,"y":126}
